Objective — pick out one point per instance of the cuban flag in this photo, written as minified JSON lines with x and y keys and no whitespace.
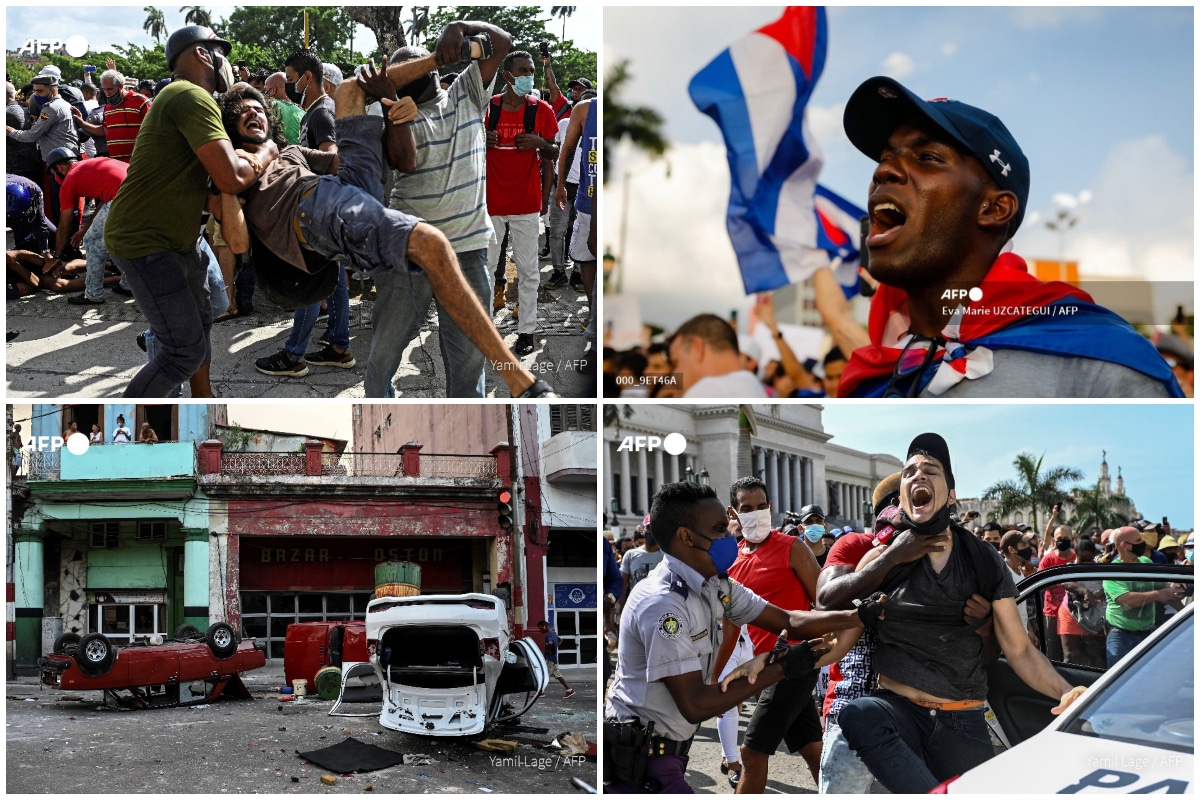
{"x":756,"y":91}
{"x":838,"y":231}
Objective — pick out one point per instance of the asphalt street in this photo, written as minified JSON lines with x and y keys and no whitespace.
{"x":91,"y":351}
{"x":68,"y":743}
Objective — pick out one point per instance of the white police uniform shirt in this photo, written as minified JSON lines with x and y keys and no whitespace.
{"x":671,"y":625}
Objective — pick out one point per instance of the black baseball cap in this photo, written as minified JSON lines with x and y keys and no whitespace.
{"x":880,"y":104}
{"x":934,"y":446}
{"x":584,"y":82}
{"x":812,"y":510}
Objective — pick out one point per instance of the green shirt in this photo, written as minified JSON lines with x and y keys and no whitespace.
{"x":159,"y":205}
{"x":1129,"y":619}
{"x":288,"y":116}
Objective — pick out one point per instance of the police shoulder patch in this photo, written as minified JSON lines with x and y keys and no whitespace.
{"x":669,"y":626}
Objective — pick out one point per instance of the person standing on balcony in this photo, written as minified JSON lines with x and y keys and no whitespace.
{"x":122,"y":435}
{"x":147,"y":435}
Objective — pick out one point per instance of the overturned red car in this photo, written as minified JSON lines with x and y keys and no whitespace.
{"x":192,"y":667}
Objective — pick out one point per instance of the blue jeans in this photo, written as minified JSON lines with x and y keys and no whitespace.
{"x":220,"y":304}
{"x":401,"y":302}
{"x":909,"y":748}
{"x":339,"y":321}
{"x":345,"y":217}
{"x":1120,"y":642}
{"x":842,"y":772}
{"x":97,"y":254}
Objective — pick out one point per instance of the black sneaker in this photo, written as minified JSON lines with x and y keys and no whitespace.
{"x":121,"y":290}
{"x":524,"y":345}
{"x":141,"y":341}
{"x":280,"y":364}
{"x":327,"y":356}
{"x":539,"y":389}
{"x":84,"y":300}
{"x":577,"y":282}
{"x":558,"y":278}
{"x":325,"y":339}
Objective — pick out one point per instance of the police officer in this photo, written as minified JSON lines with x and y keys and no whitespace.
{"x":670,"y":634}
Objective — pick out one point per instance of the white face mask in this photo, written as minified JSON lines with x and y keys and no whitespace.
{"x":756,"y":525}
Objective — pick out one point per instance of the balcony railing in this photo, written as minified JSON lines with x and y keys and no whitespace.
{"x":40,"y":465}
{"x":163,"y":459}
{"x":361,"y":465}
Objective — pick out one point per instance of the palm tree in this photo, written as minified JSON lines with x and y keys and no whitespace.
{"x":1095,"y":509}
{"x":747,"y":427}
{"x":562,"y":12}
{"x":642,"y":125}
{"x":614,"y":413}
{"x":419,"y":22}
{"x":197,"y":15}
{"x":1032,"y":489}
{"x":155,"y":24}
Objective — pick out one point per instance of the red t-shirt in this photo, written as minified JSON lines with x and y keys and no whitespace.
{"x":1054,"y":595}
{"x":558,"y":104}
{"x":847,"y":551}
{"x":94,"y":178}
{"x":514,"y":177}
{"x":768,"y":573}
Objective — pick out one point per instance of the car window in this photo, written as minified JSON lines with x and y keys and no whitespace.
{"x":1070,"y":619}
{"x":1151,"y":702}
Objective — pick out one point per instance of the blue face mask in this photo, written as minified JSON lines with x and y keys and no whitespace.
{"x":723,"y":552}
{"x":41,"y":101}
{"x":1190,"y":554}
{"x":814,"y":532}
{"x":523,"y":85}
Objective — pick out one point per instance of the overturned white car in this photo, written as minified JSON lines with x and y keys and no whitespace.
{"x":447,"y":665}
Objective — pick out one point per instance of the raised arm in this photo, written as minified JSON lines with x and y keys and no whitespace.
{"x":449,"y":46}
{"x":551,"y":84}
{"x":831,"y":303}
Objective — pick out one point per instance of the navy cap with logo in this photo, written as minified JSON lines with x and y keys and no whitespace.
{"x":880,"y":104}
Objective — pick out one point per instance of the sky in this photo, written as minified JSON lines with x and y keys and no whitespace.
{"x":106,"y":25}
{"x":1151,"y":443}
{"x":1100,"y":100}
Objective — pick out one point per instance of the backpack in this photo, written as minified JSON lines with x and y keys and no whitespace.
{"x":988,"y":574}
{"x":531,"y":109}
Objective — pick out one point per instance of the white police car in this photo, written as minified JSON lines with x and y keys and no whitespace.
{"x":1130,"y":732}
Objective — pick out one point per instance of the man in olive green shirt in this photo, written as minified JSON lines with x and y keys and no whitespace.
{"x":1132,"y":604}
{"x":153,"y":224}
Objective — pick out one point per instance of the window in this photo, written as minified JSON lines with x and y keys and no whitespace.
{"x":572,"y":418}
{"x":572,"y":548}
{"x":578,"y":640}
{"x":266,"y":615}
{"x":106,"y":535}
{"x":163,"y":420}
{"x":125,"y":623}
{"x":152,"y":531}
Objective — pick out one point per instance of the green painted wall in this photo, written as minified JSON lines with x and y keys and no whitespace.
{"x":128,"y":568}
{"x":162,"y":460}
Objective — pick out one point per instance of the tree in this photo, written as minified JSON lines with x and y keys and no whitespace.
{"x":417,"y":26}
{"x":1032,"y":489}
{"x":562,"y":12}
{"x":1095,"y":509}
{"x":197,"y":15}
{"x":614,"y":413}
{"x":264,"y":36}
{"x":155,"y":24}
{"x":641,"y":125}
{"x":384,"y":22}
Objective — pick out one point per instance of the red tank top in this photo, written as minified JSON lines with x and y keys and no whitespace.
{"x":768,"y":573}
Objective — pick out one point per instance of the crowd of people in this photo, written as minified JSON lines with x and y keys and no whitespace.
{"x":949,"y":190}
{"x":868,"y":649}
{"x":294,"y":178}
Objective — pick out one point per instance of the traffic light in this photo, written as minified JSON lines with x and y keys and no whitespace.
{"x":505,"y":509}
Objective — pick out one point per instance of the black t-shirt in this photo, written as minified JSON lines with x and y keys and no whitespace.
{"x":912,"y":652}
{"x":317,"y":125}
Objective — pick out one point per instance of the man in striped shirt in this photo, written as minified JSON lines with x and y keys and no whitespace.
{"x":123,"y":114}
{"x":440,"y":162}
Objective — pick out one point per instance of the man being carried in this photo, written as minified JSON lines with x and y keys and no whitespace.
{"x":327,"y":217}
{"x":925,"y":723}
{"x":950,"y":190}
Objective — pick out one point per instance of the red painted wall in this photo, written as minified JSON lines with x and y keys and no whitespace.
{"x":362,"y":517}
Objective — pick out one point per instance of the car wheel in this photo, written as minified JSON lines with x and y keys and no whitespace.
{"x":66,"y":644}
{"x":187,"y":631}
{"x":95,"y":654}
{"x":221,"y":640}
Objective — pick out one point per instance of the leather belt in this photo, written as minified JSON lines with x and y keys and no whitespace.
{"x":669,"y":747}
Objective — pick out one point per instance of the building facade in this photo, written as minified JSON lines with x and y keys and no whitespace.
{"x":115,"y":540}
{"x":787,"y":446}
